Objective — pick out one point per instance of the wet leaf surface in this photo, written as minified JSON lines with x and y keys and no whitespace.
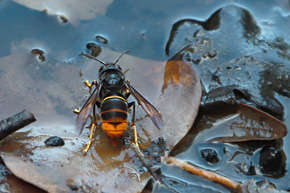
{"x":40,"y":175}
{"x":161,"y":83}
{"x":242,"y":47}
{"x":10,"y":183}
{"x":246,"y":124}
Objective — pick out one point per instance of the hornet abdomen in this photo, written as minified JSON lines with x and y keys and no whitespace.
{"x":114,"y":110}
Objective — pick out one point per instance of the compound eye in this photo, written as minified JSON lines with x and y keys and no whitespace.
{"x":119,"y":67}
{"x":101,"y":68}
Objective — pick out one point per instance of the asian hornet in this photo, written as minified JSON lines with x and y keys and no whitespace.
{"x":110,"y":96}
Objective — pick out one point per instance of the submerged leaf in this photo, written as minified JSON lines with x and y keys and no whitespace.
{"x":246,"y":124}
{"x":37,"y":174}
{"x":173,"y":88}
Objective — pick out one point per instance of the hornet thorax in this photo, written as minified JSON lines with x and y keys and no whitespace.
{"x":112,"y":77}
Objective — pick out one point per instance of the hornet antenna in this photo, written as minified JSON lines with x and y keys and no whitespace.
{"x":91,"y":57}
{"x":125,"y":52}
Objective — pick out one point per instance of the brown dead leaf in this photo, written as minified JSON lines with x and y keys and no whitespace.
{"x":245,"y":124}
{"x":10,"y":183}
{"x":39,"y":175}
{"x":175,"y":93}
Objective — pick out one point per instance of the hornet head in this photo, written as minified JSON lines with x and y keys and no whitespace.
{"x":110,"y":74}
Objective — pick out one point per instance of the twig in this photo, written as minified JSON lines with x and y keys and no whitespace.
{"x":12,"y":124}
{"x":145,"y":162}
{"x":203,"y":173}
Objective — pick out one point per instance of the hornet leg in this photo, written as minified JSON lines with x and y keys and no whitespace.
{"x":92,"y":130}
{"x":90,"y":85}
{"x":133,"y":123}
{"x":91,"y":138}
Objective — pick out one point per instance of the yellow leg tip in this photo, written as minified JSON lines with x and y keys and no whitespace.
{"x":86,"y":150}
{"x":88,"y":84}
{"x":76,"y":111}
{"x":91,"y":138}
